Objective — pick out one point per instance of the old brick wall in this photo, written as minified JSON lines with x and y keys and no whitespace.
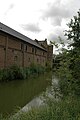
{"x":2,"y":57}
{"x":15,"y":51}
{"x":2,"y":50}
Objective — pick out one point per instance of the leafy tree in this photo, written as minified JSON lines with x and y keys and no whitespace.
{"x":73,"y":33}
{"x":69,"y":68}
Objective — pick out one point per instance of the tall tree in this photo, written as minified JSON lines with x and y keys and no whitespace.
{"x":73,"y":33}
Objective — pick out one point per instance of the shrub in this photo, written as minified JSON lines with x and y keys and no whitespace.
{"x":16,"y":72}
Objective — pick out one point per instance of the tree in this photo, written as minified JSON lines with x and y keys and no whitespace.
{"x":73,"y":33}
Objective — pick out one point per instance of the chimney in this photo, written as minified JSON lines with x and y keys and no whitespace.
{"x":36,"y":40}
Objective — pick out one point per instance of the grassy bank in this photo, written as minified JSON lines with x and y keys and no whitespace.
{"x":17,"y":73}
{"x":66,"y":109}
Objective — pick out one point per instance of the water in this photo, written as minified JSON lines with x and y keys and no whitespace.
{"x":52,"y":92}
{"x":20,"y":92}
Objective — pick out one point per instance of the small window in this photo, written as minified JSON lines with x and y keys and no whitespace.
{"x":12,"y":50}
{"x":43,"y":53}
{"x":26,"y":48}
{"x":15,"y":58}
{"x":35,"y":50}
{"x":29,"y":60}
{"x":21,"y":46}
{"x":32,"y":50}
{"x":4,"y":48}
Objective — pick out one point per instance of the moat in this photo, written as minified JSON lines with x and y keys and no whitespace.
{"x":20,"y":92}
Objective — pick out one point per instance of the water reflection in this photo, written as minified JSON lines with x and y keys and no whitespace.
{"x":52,"y":92}
{"x":21,"y":92}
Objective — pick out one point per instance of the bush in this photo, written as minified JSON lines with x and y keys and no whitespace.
{"x":17,"y":73}
{"x":12,"y":73}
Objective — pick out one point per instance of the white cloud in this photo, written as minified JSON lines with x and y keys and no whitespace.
{"x":40,"y":18}
{"x":31,"y":27}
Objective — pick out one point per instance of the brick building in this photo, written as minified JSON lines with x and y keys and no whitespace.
{"x":17,"y":49}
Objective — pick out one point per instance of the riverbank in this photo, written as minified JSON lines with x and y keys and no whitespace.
{"x":19,"y":73}
{"x":66,"y":109}
{"x":62,"y":110}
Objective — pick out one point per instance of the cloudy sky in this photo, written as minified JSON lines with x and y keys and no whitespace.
{"x":38,"y":19}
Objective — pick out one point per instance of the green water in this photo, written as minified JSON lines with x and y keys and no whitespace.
{"x":20,"y":92}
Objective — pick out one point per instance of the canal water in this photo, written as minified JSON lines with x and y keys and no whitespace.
{"x":18,"y":93}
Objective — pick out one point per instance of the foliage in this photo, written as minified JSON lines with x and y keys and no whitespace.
{"x":17,"y":73}
{"x":73,"y":33}
{"x":48,"y":66}
{"x":37,"y":69}
{"x":12,"y":73}
{"x":69,"y":64}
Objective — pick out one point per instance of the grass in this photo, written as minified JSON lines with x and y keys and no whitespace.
{"x":66,"y":109}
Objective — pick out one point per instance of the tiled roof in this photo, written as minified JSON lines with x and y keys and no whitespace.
{"x":16,"y":34}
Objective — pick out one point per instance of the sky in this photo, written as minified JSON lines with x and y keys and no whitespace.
{"x":39,"y":19}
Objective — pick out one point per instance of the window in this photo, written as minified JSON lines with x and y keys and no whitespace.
{"x":21,"y":46}
{"x":15,"y":58}
{"x":4,"y":48}
{"x":43,"y":53}
{"x":35,"y":50}
{"x":26,"y":48}
{"x":32,"y":50}
{"x":29,"y":60}
{"x":12,"y":50}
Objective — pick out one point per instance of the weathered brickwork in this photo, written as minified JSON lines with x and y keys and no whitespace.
{"x":2,"y":40}
{"x":14,"y":43}
{"x":15,"y":51}
{"x":2,"y":57}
